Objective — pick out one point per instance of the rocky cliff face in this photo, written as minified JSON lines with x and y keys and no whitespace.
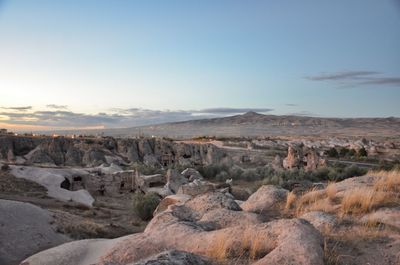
{"x":93,"y":152}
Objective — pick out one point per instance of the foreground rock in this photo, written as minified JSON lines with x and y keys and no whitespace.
{"x":24,"y":230}
{"x":387,"y":216}
{"x":182,"y":228}
{"x":265,"y":199}
{"x":320,"y":220}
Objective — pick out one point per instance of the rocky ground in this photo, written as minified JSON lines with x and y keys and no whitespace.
{"x":355,"y":221}
{"x":80,"y":194}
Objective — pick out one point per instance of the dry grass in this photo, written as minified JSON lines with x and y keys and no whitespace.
{"x":331,"y":256}
{"x":290,"y":200}
{"x":220,"y":247}
{"x":364,"y":200}
{"x":311,"y":201}
{"x":248,"y":247}
{"x":84,"y":229}
{"x":389,"y":181}
{"x":360,"y":200}
{"x":331,"y":190}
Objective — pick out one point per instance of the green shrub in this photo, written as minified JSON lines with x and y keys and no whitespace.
{"x":145,"y":204}
{"x":352,"y":152}
{"x":211,"y":171}
{"x":332,"y":152}
{"x":362,"y":152}
{"x":344,"y":151}
{"x":147,"y":170}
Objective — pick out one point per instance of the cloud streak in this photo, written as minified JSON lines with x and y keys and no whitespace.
{"x":54,"y":106}
{"x":114,"y":118}
{"x":25,"y":108}
{"x":356,"y":78}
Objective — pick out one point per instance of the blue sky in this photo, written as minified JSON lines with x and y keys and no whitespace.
{"x":154,"y":60}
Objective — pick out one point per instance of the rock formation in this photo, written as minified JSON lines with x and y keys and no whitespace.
{"x":196,"y":229}
{"x":64,"y":151}
{"x":300,"y":156}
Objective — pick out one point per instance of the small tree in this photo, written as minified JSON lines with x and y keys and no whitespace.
{"x":332,"y":152}
{"x":362,"y":152}
{"x":145,"y":204}
{"x":344,"y":151}
{"x":352,"y":152}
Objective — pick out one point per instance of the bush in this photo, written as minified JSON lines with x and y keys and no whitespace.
{"x":362,"y":152}
{"x":145,"y":204}
{"x":352,"y":152}
{"x":344,"y":151}
{"x":211,"y":171}
{"x":332,"y":152}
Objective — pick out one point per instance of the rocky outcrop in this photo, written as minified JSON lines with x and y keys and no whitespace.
{"x":320,"y":220}
{"x":186,"y":228}
{"x":267,"y":198}
{"x":93,"y":151}
{"x":210,"y":201}
{"x":387,"y":216}
{"x":300,"y":156}
{"x":171,"y":200}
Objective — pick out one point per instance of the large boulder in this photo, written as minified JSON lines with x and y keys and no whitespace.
{"x":210,"y":201}
{"x":221,"y":218}
{"x":171,"y":200}
{"x":387,"y":216}
{"x":320,"y":220}
{"x":284,"y":241}
{"x":265,"y":199}
{"x":25,"y":229}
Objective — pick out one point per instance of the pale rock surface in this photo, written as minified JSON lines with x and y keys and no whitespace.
{"x":210,"y":201}
{"x":388,"y":216}
{"x":51,"y":179}
{"x":283,"y":241}
{"x":266,"y":198}
{"x":171,"y":200}
{"x":320,"y":220}
{"x":25,"y":229}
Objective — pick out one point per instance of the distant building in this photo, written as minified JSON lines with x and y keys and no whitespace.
{"x":3,"y":131}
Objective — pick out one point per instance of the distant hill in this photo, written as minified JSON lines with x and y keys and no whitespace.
{"x":255,"y":124}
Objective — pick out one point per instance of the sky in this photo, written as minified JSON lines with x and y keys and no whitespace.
{"x":109,"y":64}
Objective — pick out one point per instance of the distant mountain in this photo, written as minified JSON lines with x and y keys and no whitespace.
{"x":255,"y":124}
